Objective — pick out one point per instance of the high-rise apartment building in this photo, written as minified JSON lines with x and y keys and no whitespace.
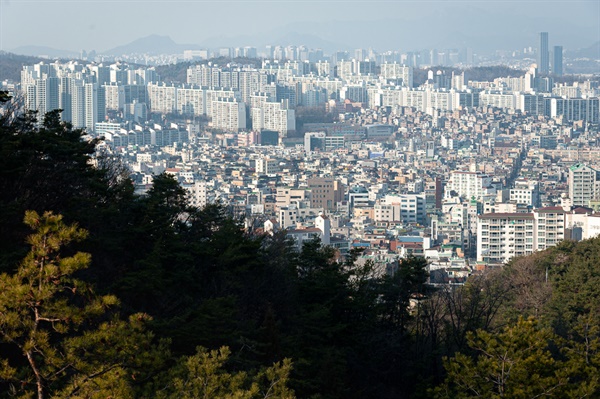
{"x":584,"y":184}
{"x":397,"y":71}
{"x":213,"y":95}
{"x":162,"y":98}
{"x":228,"y":114}
{"x":94,"y":105}
{"x":557,"y":61}
{"x":543,"y":54}
{"x":273,"y":116}
{"x":324,"y":68}
{"x":41,"y":92}
{"x":502,"y":236}
{"x":191,"y":101}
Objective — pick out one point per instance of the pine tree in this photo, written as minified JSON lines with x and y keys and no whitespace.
{"x":203,"y":376}
{"x":514,"y":363}
{"x":51,"y":321}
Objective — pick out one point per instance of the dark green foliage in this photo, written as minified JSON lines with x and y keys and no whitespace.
{"x":312,"y":115}
{"x":558,"y":288}
{"x":47,"y":167}
{"x":41,"y":169}
{"x":516,"y":362}
{"x":54,"y":321}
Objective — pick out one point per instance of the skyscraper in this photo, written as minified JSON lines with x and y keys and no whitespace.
{"x":557,"y":61}
{"x":543,"y":55}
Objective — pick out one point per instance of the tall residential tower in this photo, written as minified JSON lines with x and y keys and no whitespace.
{"x":557,"y":61}
{"x":543,"y":54}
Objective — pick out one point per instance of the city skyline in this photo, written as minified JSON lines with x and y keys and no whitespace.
{"x":381,"y":25}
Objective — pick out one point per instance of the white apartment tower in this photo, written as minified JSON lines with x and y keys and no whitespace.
{"x":468,"y":184}
{"x":191,"y":101}
{"x":198,"y":194}
{"x":502,"y":236}
{"x":397,"y":71}
{"x":92,"y":113}
{"x":162,"y":98}
{"x":228,"y":114}
{"x":273,"y":116}
{"x":584,"y":184}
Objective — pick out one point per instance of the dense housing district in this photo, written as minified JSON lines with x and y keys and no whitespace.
{"x":468,"y":174}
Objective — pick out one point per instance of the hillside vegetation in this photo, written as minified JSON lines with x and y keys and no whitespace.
{"x":11,"y":65}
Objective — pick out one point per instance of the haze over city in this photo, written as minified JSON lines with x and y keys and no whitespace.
{"x":331,"y":25}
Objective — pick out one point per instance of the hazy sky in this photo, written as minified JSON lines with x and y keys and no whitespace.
{"x":382,"y":25}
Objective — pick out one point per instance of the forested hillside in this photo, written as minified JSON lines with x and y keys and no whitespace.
{"x":11,"y":65}
{"x":104,"y":293}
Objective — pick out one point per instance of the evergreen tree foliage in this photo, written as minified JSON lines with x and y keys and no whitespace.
{"x":515,"y":363}
{"x":53,"y":320}
{"x":203,"y":375}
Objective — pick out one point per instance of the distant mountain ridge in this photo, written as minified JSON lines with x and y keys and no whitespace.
{"x":329,"y":37}
{"x":153,"y":44}
{"x":44,"y":51}
{"x":592,"y":52}
{"x":276,"y":37}
{"x":156,"y":44}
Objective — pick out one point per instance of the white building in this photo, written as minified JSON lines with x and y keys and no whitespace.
{"x":469,"y":184}
{"x":407,"y":208}
{"x":228,"y":114}
{"x":48,"y":87}
{"x":287,"y":217}
{"x":502,"y":236}
{"x":323,"y":223}
{"x":191,"y":101}
{"x":267,"y":166}
{"x":324,"y":68}
{"x":499,"y":99}
{"x":584,"y":184}
{"x":162,"y":98}
{"x":271,"y":226}
{"x":197,"y":193}
{"x":525,"y":192}
{"x":213,"y":95}
{"x":397,"y":71}
{"x":273,"y":116}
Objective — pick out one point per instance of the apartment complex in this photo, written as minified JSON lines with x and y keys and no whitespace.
{"x":584,"y":184}
{"x":502,"y":236}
